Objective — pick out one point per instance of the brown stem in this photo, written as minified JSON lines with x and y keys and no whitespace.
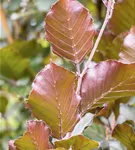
{"x":5,"y":25}
{"x":108,"y":16}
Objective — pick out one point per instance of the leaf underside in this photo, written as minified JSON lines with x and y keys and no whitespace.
{"x":54,"y":100}
{"x":69,"y":29}
{"x":105,"y":82}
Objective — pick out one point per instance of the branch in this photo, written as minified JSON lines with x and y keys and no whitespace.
{"x":77,"y":66}
{"x":108,"y":16}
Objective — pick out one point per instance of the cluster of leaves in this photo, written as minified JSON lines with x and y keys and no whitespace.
{"x":63,"y":110}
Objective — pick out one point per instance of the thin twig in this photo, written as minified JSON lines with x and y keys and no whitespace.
{"x":78,"y":70}
{"x":108,"y":16}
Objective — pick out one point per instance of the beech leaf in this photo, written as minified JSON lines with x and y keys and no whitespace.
{"x":54,"y":100}
{"x":36,"y":137}
{"x":125,"y":134}
{"x":127,"y":55}
{"x":105,"y":82}
{"x":122,"y":20}
{"x":110,"y":45}
{"x":77,"y":142}
{"x":69,"y":29}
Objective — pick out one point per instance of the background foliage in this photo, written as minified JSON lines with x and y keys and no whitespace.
{"x":27,"y":52}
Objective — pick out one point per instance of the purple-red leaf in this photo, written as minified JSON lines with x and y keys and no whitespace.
{"x":105,"y":82}
{"x":69,"y":29}
{"x":54,"y":100}
{"x":128,"y":53}
{"x":36,"y":137}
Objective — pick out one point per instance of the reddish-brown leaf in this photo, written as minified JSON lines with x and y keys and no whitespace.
{"x":127,"y":55}
{"x":40,"y":132}
{"x":105,"y":82}
{"x":69,"y":29}
{"x":54,"y":100}
{"x":36,"y":137}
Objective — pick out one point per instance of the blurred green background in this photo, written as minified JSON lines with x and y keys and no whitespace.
{"x":24,"y":52}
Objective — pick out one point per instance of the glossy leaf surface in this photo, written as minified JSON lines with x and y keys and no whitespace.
{"x":127,"y":55}
{"x":77,"y":142}
{"x":125,"y":134}
{"x":123,"y":16}
{"x":36,"y":137}
{"x":54,"y":100}
{"x":69,"y":29}
{"x":105,"y":82}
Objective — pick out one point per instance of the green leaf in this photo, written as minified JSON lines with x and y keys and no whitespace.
{"x":122,"y":20}
{"x":125,"y":134}
{"x":77,"y":142}
{"x":26,"y":142}
{"x":95,"y":132}
{"x":12,"y":65}
{"x":106,"y":82}
{"x":110,"y":45}
{"x":69,"y":29}
{"x":3,"y":102}
{"x":25,"y":48}
{"x":127,"y":55}
{"x":36,"y":137}
{"x":54,"y":100}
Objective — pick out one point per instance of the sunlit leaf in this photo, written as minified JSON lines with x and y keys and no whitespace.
{"x":125,"y":134}
{"x":40,"y":132}
{"x":127,"y":55}
{"x":123,"y":16}
{"x":36,"y":137}
{"x":54,"y":100}
{"x":77,"y":142}
{"x":69,"y":29}
{"x":105,"y":82}
{"x":12,"y":65}
{"x":26,"y":142}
